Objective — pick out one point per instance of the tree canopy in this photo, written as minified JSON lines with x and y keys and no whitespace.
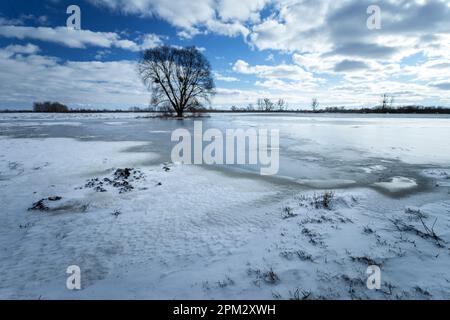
{"x":180,"y":79}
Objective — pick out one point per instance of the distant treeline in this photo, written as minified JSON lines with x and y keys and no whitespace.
{"x":394,"y":110}
{"x":281,"y":107}
{"x":56,"y":107}
{"x":388,"y":110}
{"x":48,"y":106}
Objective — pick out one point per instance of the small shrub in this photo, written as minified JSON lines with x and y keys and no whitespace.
{"x":324,"y":200}
{"x":317,"y":201}
{"x":287,"y":212}
{"x":116,"y":213}
{"x":270,"y":277}
{"x":368,"y":230}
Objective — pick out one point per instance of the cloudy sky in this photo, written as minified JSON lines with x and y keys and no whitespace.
{"x":291,"y":49}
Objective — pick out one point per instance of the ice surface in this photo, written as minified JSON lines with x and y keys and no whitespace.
{"x":325,"y":184}
{"x":397,"y":184}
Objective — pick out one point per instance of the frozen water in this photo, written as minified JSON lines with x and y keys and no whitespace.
{"x":397,"y":184}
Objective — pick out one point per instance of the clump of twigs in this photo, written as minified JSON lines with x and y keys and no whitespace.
{"x":427,"y":232}
{"x":415,"y":214}
{"x":298,"y":294}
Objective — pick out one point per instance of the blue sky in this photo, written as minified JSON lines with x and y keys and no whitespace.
{"x":291,"y":49}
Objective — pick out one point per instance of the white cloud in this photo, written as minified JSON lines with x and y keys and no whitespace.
{"x":240,"y":10}
{"x":270,"y":58}
{"x":78,"y":38}
{"x":29,"y":77}
{"x":225,"y":17}
{"x":23,"y":18}
{"x":281,"y":71}
{"x":26,"y":49}
{"x":218,"y":76}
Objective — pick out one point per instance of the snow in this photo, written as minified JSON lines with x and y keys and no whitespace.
{"x":192,"y":232}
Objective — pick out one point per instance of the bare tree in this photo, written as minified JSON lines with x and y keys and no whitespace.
{"x":384,"y":101}
{"x":179,"y":79}
{"x":260,"y":104}
{"x":315,"y":104}
{"x":387,"y":101}
{"x":282,"y":105}
{"x":269,"y":105}
{"x":265,"y":105}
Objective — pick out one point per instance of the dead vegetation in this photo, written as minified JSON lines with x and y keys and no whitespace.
{"x":300,"y":294}
{"x":116,"y":213}
{"x":287,"y":212}
{"x":415,"y":214}
{"x":368,"y":230}
{"x":314,"y":238}
{"x":225,"y":283}
{"x":324,"y":200}
{"x":366,"y":260}
{"x":42,"y":205}
{"x":269,"y":276}
{"x":427,"y":232}
{"x":302,"y":255}
{"x":317,"y":200}
{"x":121,"y":179}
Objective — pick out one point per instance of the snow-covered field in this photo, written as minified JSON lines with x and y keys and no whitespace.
{"x":167,"y":231}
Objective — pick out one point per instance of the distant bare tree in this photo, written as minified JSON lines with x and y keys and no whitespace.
{"x":269,"y":105}
{"x":282,"y":105}
{"x":387,"y":101}
{"x":260,"y":104}
{"x":265,"y":105}
{"x":384,"y":101}
{"x":179,"y":79}
{"x":315,"y":104}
